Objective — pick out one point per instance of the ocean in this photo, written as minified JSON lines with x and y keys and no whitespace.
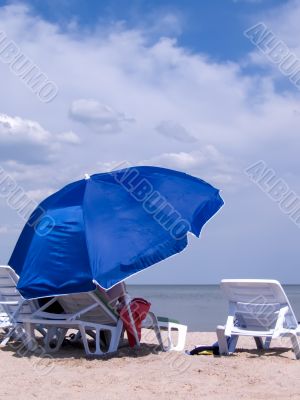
{"x":200,"y":307}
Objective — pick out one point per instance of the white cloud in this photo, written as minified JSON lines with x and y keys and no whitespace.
{"x":39,"y":194}
{"x":69,"y":137}
{"x":24,"y":140}
{"x":100,"y":117}
{"x":43,"y":179}
{"x":284,"y":21}
{"x":27,"y":141}
{"x":3,"y":229}
{"x":164,"y":24}
{"x":9,"y":229}
{"x":174,"y":130}
{"x":207,"y":163}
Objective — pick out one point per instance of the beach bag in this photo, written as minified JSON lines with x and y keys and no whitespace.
{"x":139,"y":309}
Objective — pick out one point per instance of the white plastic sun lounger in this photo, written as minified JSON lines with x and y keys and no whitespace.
{"x":84,"y":312}
{"x":258,"y":308}
{"x":89,"y":314}
{"x":171,"y":326}
{"x":19,"y":317}
{"x":13,"y":306}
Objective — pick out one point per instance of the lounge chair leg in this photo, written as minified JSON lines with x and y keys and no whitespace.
{"x":156,"y":328}
{"x":158,"y":337}
{"x":295,"y":344}
{"x":116,"y":337}
{"x":181,"y":329}
{"x":97,"y":342}
{"x":259,"y":343}
{"x":50,"y":335}
{"x":232,"y":343}
{"x":112,"y":345}
{"x":114,"y":341}
{"x":267,"y":343}
{"x":61,"y":336}
{"x":29,"y":341}
{"x":222,"y":340}
{"x":85,"y":341}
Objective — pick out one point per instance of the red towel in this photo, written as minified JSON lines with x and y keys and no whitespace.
{"x":139,"y":310}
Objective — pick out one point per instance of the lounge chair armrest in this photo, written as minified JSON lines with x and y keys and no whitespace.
{"x":222,"y":340}
{"x":229,"y":325}
{"x":279,"y":324}
{"x":230,"y":320}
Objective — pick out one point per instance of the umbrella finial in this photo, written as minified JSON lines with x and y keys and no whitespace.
{"x":86,"y":176}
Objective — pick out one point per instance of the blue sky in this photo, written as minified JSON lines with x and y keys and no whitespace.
{"x":175,"y":84}
{"x":213,"y":27}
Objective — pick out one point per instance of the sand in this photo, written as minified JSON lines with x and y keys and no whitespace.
{"x":147,"y":374}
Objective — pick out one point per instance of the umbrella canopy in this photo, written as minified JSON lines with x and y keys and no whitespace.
{"x":103,"y":229}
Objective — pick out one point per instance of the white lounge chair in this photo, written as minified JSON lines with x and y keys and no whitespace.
{"x":258,"y":308}
{"x":84,"y":312}
{"x":89,"y":313}
{"x":171,"y":326}
{"x":13,"y":306}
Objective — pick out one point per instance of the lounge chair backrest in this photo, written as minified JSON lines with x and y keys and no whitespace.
{"x":11,"y":301}
{"x":257,"y":302}
{"x":88,"y":307}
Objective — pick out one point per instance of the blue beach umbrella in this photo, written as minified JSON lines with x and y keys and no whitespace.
{"x":103,"y":229}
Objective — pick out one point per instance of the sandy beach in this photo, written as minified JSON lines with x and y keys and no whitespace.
{"x":148,"y":374}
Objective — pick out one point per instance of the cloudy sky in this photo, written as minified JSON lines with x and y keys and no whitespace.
{"x":169,"y":83}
